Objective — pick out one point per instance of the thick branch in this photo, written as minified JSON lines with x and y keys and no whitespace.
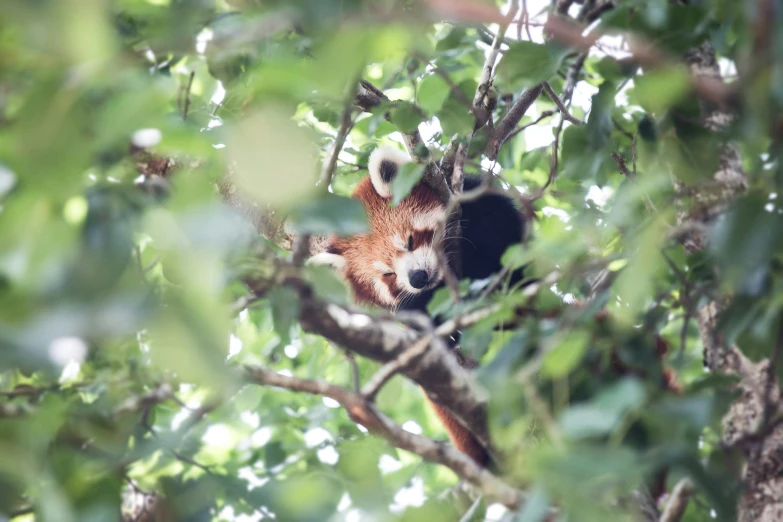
{"x":511,"y":120}
{"x":383,"y":340}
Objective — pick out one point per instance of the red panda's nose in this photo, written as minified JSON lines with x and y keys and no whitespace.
{"x":418,"y":279}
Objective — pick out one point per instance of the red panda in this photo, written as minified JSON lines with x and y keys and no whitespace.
{"x":395,"y":265}
{"x":396,"y":260}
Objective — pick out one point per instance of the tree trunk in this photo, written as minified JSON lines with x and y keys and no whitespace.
{"x":744,"y":424}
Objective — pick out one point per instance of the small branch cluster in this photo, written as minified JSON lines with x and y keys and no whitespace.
{"x":363,"y":411}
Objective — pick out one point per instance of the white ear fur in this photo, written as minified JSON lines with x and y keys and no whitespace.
{"x":335,"y":261}
{"x":380,"y":174}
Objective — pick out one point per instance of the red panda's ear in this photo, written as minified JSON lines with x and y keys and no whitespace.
{"x":335,"y":261}
{"x":384,"y":164}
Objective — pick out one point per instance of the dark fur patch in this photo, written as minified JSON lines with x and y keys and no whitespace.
{"x":422,"y":238}
{"x":334,"y":249}
{"x":391,"y":284}
{"x":388,"y":170}
{"x":490,"y":224}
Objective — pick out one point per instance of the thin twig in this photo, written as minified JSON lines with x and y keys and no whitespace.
{"x":391,"y":368}
{"x":455,"y":90}
{"x":485,"y":80}
{"x":364,"y":412}
{"x":555,"y":155}
{"x":525,"y":20}
{"x":301,"y":249}
{"x":330,"y":163}
{"x":545,"y":114}
{"x":541,"y":409}
{"x":621,"y":129}
{"x":186,"y":106}
{"x":449,"y":156}
{"x":561,"y":106}
{"x":457,"y":174}
{"x":631,"y":177}
{"x":468,"y":319}
{"x":643,"y":53}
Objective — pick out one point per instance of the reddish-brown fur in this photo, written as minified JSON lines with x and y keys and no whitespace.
{"x":460,"y":436}
{"x":362,"y":251}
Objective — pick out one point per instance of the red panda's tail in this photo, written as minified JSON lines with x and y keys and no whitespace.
{"x":460,"y":436}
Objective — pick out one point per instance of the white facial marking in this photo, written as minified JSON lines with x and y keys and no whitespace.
{"x":382,"y":291}
{"x":400,"y":243}
{"x":423,"y":258}
{"x":428,"y":220}
{"x":381,"y":266}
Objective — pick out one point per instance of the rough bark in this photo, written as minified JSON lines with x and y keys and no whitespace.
{"x":745,"y":425}
{"x":384,"y":340}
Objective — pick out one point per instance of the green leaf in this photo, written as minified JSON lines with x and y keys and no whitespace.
{"x":407,"y":178}
{"x":432,"y":93}
{"x":602,"y":415}
{"x":328,"y":285}
{"x":567,"y":353}
{"x":526,"y":64}
{"x":451,"y":40}
{"x":658,"y":90}
{"x":406,"y":117}
{"x":536,"y":506}
{"x":285,"y":310}
{"x":270,"y":138}
{"x":327,"y":115}
{"x":330,"y":214}
{"x":455,"y":117}
{"x":599,"y":123}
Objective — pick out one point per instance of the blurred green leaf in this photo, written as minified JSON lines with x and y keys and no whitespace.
{"x":330,"y":214}
{"x":566,"y":353}
{"x":407,"y":178}
{"x":526,"y":64}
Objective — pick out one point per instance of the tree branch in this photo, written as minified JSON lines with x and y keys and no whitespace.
{"x":480,"y":112}
{"x":678,"y":501}
{"x":364,"y":412}
{"x":388,"y":370}
{"x":511,"y":120}
{"x":643,"y":53}
{"x":561,"y":106}
{"x":383,"y":340}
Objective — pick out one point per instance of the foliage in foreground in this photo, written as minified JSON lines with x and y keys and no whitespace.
{"x":122,"y":346}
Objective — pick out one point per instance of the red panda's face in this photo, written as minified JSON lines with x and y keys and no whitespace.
{"x":397,"y":259}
